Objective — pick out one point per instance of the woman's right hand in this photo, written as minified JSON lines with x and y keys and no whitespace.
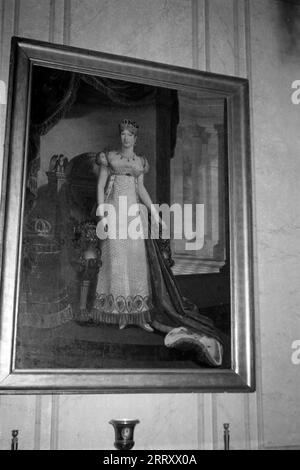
{"x":159,"y":221}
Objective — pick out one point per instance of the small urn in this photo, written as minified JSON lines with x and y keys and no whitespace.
{"x":124,"y":430}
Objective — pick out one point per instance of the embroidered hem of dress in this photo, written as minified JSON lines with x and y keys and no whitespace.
{"x":108,"y":303}
{"x":139,"y":318}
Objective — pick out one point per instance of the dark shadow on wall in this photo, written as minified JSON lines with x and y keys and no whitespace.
{"x":289,"y":27}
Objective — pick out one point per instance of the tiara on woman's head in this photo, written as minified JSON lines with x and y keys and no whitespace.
{"x":132,"y":126}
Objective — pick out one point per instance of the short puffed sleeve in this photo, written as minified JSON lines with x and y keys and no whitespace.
{"x":145,"y":165}
{"x":101,"y":159}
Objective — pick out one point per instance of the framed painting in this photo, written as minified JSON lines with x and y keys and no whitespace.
{"x":126,"y":257}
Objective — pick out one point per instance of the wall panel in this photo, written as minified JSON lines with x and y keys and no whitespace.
{"x":156,"y":30}
{"x":39,"y":10}
{"x":17,"y":412}
{"x":167,"y":421}
{"x":221,"y":36}
{"x":56,"y":27}
{"x":276,"y":166}
{"x":199,"y":34}
{"x":240,"y":25}
{"x":231,"y":408}
{"x":7,"y":30}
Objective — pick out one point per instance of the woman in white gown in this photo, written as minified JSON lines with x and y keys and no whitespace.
{"x":135,"y":285}
{"x":123,"y":289}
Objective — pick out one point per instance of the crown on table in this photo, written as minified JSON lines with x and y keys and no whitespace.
{"x":132,"y":126}
{"x":39,"y":226}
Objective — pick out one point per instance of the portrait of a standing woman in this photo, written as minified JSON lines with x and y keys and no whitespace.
{"x":116,"y":301}
{"x":134,"y":286}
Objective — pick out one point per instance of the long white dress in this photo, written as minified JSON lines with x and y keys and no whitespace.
{"x":123,"y":293}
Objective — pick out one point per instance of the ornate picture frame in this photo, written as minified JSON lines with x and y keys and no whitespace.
{"x":199,"y":93}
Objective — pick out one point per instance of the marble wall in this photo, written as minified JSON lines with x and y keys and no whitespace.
{"x":241,"y":37}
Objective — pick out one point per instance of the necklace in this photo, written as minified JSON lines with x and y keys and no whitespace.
{"x":127,"y":158}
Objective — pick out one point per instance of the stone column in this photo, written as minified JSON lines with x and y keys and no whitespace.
{"x":210,"y":190}
{"x":201,"y":165}
{"x":220,"y":246}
